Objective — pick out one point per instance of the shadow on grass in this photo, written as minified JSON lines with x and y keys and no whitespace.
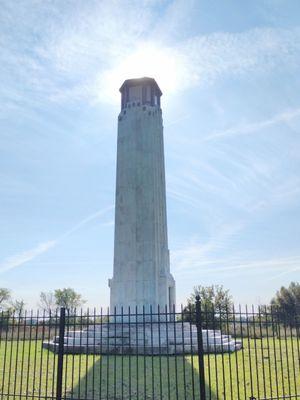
{"x":132,"y":377}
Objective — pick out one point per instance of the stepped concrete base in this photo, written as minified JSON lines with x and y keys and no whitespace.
{"x":137,"y":338}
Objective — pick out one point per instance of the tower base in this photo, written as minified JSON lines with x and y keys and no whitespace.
{"x":157,"y":338}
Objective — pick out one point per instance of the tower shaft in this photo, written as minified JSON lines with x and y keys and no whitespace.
{"x":141,"y":275}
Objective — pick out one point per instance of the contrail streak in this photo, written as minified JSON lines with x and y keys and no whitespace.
{"x":28,"y":255}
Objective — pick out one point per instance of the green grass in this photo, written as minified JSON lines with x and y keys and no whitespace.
{"x":30,"y":369}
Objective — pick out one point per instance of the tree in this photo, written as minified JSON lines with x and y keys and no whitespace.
{"x":287,"y":303}
{"x":4,"y":297}
{"x":68,"y":298}
{"x":18,"y":306}
{"x":47,"y":301}
{"x":215,"y":303}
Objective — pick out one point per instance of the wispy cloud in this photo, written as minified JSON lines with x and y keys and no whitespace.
{"x":25,"y":256}
{"x":196,"y":258}
{"x":198,"y":251}
{"x":202,"y":60}
{"x":283,"y":117}
{"x":61,"y":53}
{"x":251,"y":176}
{"x":286,"y":271}
{"x":86,"y":220}
{"x":29,"y":255}
{"x":259,"y":49}
{"x":288,"y":264}
{"x":87,"y":52}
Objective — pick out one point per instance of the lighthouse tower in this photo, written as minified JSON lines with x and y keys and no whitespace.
{"x":141,"y":277}
{"x":141,"y":274}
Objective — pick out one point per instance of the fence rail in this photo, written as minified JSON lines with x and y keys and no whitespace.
{"x":194,"y":353}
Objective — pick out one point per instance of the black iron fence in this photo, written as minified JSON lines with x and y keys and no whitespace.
{"x":194,"y":353}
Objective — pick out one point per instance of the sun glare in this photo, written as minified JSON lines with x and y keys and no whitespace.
{"x":147,"y":60}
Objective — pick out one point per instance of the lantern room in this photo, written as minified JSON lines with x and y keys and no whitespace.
{"x":141,"y":91}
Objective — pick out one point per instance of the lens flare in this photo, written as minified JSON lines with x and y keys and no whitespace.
{"x":162,"y":64}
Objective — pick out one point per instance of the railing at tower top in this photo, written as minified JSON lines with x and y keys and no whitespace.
{"x":194,"y":353}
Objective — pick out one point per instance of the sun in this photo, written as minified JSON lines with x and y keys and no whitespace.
{"x":153,"y":62}
{"x":160,"y":63}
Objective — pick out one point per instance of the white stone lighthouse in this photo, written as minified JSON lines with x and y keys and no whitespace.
{"x":141,"y":275}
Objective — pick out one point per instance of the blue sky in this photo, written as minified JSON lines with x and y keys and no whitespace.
{"x":229,"y":71}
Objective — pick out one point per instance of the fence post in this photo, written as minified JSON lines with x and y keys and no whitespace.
{"x":60,"y":358}
{"x":200,"y":348}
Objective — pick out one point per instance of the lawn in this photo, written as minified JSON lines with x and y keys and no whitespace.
{"x":269,"y":368}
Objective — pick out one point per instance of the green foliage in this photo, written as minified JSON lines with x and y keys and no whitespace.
{"x":4,"y":319}
{"x":4,"y":297}
{"x":47,"y":301}
{"x":68,"y":298}
{"x":17,"y":307}
{"x":287,"y":303}
{"x":215,"y":303}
